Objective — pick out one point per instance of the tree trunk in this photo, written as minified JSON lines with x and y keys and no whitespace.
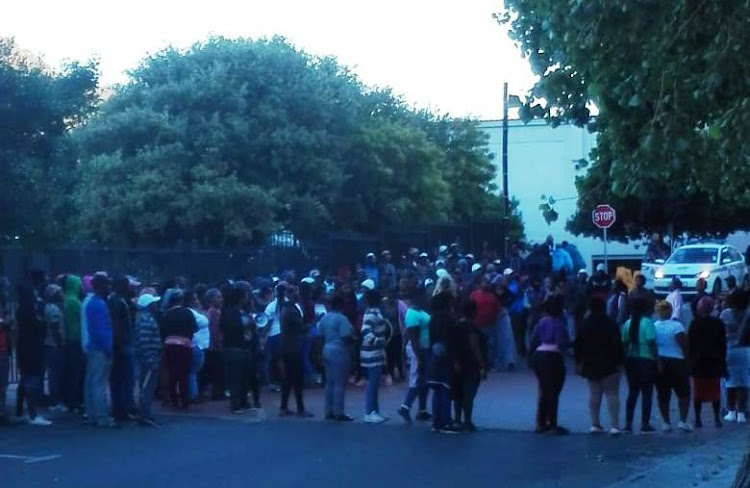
{"x":742,"y":480}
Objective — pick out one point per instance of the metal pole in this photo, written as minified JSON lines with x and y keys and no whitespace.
{"x":606,"y":258}
{"x":506,"y":198}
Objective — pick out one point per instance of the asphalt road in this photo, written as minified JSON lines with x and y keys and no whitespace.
{"x":208,"y":452}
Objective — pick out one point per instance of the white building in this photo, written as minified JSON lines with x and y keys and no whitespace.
{"x":541,"y":161}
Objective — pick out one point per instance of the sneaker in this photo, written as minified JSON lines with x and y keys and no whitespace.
{"x":58,"y":409}
{"x":343,"y":418}
{"x":147,"y":422}
{"x":388,"y":381}
{"x":285,"y":413}
{"x":449,"y":429}
{"x":405,"y":414}
{"x":423,"y":416}
{"x":596,"y":429}
{"x":741,"y":418}
{"x":667,"y":427}
{"x":685,"y":427}
{"x":614,"y":431}
{"x":330,"y":416}
{"x":470,"y":427}
{"x":359,"y":383}
{"x":304,"y":414}
{"x":559,"y":431}
{"x":374,"y":418}
{"x":647,"y":429}
{"x":627,"y":430}
{"x":731,"y":416}
{"x":40,"y":421}
{"x":238,"y":411}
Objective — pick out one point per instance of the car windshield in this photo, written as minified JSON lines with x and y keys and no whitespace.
{"x":695,"y":255}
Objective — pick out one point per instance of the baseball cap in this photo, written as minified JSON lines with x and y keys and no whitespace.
{"x":423,"y":255}
{"x":442,"y":273}
{"x":443,"y":248}
{"x":470,"y":256}
{"x":308,"y":280}
{"x":147,"y":299}
{"x":369,"y":284}
{"x":582,"y":271}
{"x":475,"y":267}
{"x":370,"y":255}
{"x":507,"y":272}
{"x":314,"y":273}
{"x":600,"y":267}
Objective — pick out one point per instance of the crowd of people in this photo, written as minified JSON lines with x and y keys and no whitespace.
{"x":107,"y":347}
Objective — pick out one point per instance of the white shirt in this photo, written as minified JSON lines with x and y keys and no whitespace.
{"x":274,"y":323}
{"x":666,"y":340}
{"x":201,"y":338}
{"x":675,"y":299}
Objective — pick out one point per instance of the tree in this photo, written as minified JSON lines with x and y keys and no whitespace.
{"x":669,"y":80}
{"x":231,"y":140}
{"x":38,"y":107}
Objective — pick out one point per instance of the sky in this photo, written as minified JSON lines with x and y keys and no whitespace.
{"x":447,"y":55}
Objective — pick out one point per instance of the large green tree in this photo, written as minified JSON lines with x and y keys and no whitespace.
{"x":671,"y":83}
{"x":231,"y":140}
{"x":38,"y":107}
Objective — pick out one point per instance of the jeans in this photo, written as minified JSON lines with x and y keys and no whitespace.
{"x":53,"y":361}
{"x":122,"y":381}
{"x":337,"y":364}
{"x":74,"y":373}
{"x":373,"y":384}
{"x":421,"y":389}
{"x":178,"y":359}
{"x":464,"y":390}
{"x":641,"y":375}
{"x":213,"y":374}
{"x":490,"y":333}
{"x":195,"y":366}
{"x":608,"y":386}
{"x":98,"y":368}
{"x":149,"y":378}
{"x":549,"y":368}
{"x":237,"y":367}
{"x":4,"y":365}
{"x":273,"y":360}
{"x":293,"y":380}
{"x":505,"y":343}
{"x":441,"y":406}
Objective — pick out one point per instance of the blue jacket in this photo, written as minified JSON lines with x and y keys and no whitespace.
{"x":99,"y":325}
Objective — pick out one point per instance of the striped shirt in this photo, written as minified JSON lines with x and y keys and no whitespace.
{"x":374,"y":333}
{"x":147,"y":339}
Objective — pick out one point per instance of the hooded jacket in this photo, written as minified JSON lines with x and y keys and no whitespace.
{"x":72,"y":309}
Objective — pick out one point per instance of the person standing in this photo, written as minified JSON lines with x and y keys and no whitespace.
{"x":200,"y":344}
{"x":236,"y":345}
{"x":178,"y":327}
{"x":671,"y":342}
{"x":600,"y":357}
{"x":707,"y":343}
{"x":617,"y":303}
{"x":639,"y":338}
{"x":470,"y":347}
{"x":442,"y":360}
{"x":214,"y":367}
{"x":98,"y":353}
{"x":123,"y":367}
{"x":372,"y":353}
{"x":488,"y":310}
{"x":148,"y":352}
{"x":674,"y":298}
{"x":417,"y":326}
{"x":75,"y":361}
{"x":5,"y":324}
{"x":336,"y":331}
{"x":737,"y":322}
{"x":31,"y":334}
{"x":548,"y":343}
{"x":293,"y":332}
{"x":54,"y":343}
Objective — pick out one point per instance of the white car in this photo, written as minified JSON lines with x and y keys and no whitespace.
{"x":712,"y":262}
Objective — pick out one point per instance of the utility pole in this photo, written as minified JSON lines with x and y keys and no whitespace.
{"x":506,"y":196}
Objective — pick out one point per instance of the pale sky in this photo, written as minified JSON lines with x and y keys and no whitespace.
{"x":447,"y":55}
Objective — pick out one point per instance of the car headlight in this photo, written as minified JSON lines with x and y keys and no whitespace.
{"x":659,"y":275}
{"x":704,"y":274}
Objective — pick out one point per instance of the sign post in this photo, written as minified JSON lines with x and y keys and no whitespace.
{"x":603,"y":217}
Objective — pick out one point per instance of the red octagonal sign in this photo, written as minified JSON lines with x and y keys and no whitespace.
{"x":603,"y":216}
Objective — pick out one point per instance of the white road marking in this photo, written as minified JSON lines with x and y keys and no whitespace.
{"x":30,"y":459}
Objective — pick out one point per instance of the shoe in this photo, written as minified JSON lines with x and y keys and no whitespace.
{"x":285,"y":413}
{"x":343,"y":418}
{"x":698,"y":424}
{"x":449,"y":429}
{"x":596,"y":429}
{"x":666,"y":428}
{"x":147,"y":422}
{"x":374,"y":418}
{"x":40,"y":421}
{"x":330,"y":416}
{"x":108,"y":424}
{"x":359,"y":383}
{"x":469,"y":427}
{"x":238,"y":411}
{"x":304,"y":414}
{"x":560,"y":431}
{"x":741,"y":418}
{"x":718,"y":424}
{"x":423,"y":416}
{"x":405,"y":414}
{"x":388,"y":381}
{"x":627,"y":430}
{"x":647,"y":429}
{"x":731,"y":416}
{"x":614,"y":431}
{"x":542,"y":429}
{"x":58,"y":409}
{"x":685,"y":427}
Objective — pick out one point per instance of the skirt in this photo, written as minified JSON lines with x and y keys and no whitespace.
{"x":706,"y":389}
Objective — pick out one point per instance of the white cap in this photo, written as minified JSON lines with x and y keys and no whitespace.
{"x":470,"y":256}
{"x":369,"y":284}
{"x":370,"y":255}
{"x":600,"y":267}
{"x":423,"y":255}
{"x":308,"y":280}
{"x":314,"y":273}
{"x":442,"y":248}
{"x":475,"y":267}
{"x":582,"y":271}
{"x":428,"y":282}
{"x":507,"y":272}
{"x":147,"y":299}
{"x":442,"y":273}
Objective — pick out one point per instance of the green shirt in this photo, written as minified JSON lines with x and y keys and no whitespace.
{"x":646,"y":335}
{"x":421,"y":319}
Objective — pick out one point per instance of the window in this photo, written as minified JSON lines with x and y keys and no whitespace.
{"x":695,"y":255}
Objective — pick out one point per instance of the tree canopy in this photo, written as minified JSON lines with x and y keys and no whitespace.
{"x":231,"y":140}
{"x":671,"y":83}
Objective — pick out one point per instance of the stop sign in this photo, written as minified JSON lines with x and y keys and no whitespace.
{"x":603,"y":216}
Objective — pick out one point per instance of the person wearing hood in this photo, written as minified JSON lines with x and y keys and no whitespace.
{"x":122,"y":382}
{"x":99,"y":351}
{"x":75,"y":361}
{"x":148,"y":353}
{"x":31,"y":334}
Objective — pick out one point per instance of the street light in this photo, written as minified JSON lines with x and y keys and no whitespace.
{"x":508,"y":102}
